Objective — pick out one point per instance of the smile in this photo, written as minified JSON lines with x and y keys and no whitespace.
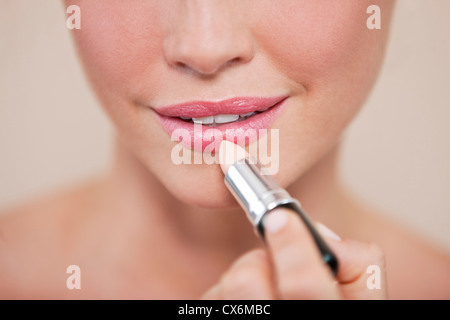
{"x":232,"y":119}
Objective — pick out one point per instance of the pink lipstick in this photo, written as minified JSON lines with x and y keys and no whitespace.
{"x":202,"y":125}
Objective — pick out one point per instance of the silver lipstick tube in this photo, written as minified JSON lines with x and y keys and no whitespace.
{"x":259,"y":194}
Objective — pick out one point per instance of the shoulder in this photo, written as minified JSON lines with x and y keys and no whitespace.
{"x":39,"y":218}
{"x":421,"y":265}
{"x":35,"y":239}
{"x":416,"y":267}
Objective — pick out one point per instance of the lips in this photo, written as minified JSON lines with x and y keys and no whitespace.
{"x":202,"y":125}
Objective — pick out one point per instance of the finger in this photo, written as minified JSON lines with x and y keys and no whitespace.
{"x":248,"y":278}
{"x":299,"y":269}
{"x":362,"y":268}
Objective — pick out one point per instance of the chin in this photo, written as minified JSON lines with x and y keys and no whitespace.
{"x":199,"y":185}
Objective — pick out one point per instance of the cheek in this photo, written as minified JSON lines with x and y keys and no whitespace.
{"x":317,"y":38}
{"x":326,"y":47}
{"x":119,"y":42}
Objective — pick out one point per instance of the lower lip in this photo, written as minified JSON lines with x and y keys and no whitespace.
{"x":203,"y":138}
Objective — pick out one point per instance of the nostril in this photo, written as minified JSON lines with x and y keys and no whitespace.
{"x":187,"y":68}
{"x":233,"y":61}
{"x":180,"y":65}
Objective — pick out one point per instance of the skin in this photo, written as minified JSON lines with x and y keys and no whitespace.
{"x":152,"y":229}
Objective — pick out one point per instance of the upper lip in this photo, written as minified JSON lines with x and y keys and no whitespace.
{"x":237,"y":105}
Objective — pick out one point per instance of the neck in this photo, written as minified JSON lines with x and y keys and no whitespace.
{"x":321,"y":195}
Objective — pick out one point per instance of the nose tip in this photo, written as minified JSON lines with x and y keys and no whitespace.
{"x":206,"y":40}
{"x":209,"y":57}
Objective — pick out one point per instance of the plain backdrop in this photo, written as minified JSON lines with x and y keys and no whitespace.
{"x":396,"y":154}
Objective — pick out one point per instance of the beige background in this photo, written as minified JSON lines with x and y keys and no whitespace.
{"x":396,"y":154}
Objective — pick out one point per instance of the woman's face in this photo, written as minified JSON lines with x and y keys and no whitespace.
{"x":145,"y":56}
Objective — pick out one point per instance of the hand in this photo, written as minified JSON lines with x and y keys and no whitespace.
{"x":292,"y":268}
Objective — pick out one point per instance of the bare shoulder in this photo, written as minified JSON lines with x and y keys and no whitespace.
{"x":35,"y":239}
{"x":416,"y":268}
{"x":28,"y":221}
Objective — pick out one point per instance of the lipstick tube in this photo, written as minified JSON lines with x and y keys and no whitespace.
{"x":259,"y":194}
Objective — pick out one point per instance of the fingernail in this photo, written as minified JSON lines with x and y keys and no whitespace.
{"x":275,"y":221}
{"x":327,"y":233}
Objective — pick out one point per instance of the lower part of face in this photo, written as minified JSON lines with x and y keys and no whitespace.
{"x":140,"y":55}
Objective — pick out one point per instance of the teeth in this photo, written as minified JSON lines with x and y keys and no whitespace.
{"x":224,"y":118}
{"x":204,"y":120}
{"x":220,"y":118}
{"x":248,"y":114}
